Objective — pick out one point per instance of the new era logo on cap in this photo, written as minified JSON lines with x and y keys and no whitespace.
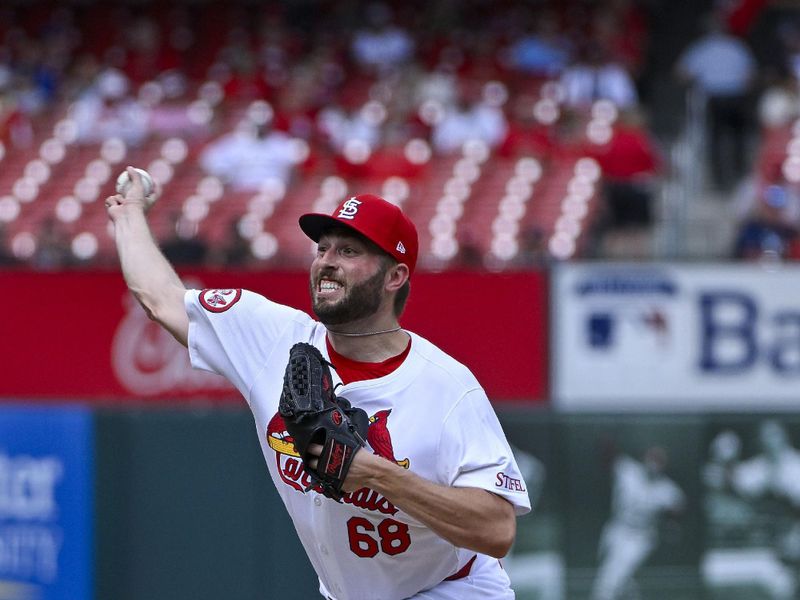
{"x":379,"y":221}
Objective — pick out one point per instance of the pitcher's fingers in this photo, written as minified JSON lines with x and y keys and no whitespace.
{"x":315,"y":449}
{"x":137,"y":184}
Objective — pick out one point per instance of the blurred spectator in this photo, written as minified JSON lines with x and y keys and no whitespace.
{"x":542,"y":51}
{"x":362,"y":126}
{"x":300,"y":59}
{"x":470,"y":254}
{"x":105,"y":110}
{"x":754,"y":188}
{"x":528,"y":132}
{"x":143,"y":46}
{"x":245,"y":158}
{"x":439,"y":85}
{"x":39,"y":78}
{"x":789,"y":35}
{"x":465,"y":121}
{"x":769,"y":232}
{"x":83,"y":72}
{"x":319,"y":77}
{"x":482,"y":60}
{"x":596,"y":76}
{"x":184,"y":247}
{"x":16,"y":126}
{"x":620,"y":26}
{"x":741,"y":15}
{"x":37,"y":63}
{"x":723,"y":68}
{"x":533,"y":252}
{"x":630,"y":163}
{"x":295,"y":110}
{"x":168,"y":109}
{"x":381,"y":46}
{"x":234,"y":251}
{"x":246,"y":82}
{"x":779,"y":104}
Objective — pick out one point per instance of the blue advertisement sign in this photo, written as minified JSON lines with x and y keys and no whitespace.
{"x":46,"y":503}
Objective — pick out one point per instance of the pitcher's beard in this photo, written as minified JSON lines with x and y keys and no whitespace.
{"x":360,"y":301}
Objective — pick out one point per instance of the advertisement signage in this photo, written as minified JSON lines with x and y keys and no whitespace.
{"x":676,"y":337}
{"x":99,"y":343}
{"x":46,"y":492}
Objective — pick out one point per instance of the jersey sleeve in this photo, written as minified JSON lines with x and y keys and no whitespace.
{"x":474,"y":452}
{"x":234,"y":332}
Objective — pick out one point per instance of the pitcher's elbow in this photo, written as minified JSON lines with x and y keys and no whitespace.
{"x":503,"y":547}
{"x":161,"y":304}
{"x":147,"y":302}
{"x":501,"y":539}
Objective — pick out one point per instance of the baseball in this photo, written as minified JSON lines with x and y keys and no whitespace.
{"x":124,"y":183}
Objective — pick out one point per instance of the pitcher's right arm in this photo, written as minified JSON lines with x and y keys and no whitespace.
{"x":148,"y":274}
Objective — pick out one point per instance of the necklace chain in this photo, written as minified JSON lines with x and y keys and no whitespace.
{"x":365,"y":334}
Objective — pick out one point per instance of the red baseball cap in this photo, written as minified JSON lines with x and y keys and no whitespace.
{"x":381,"y":222}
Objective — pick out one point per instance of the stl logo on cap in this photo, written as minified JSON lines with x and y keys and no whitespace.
{"x":378,"y":220}
{"x":349,"y":209}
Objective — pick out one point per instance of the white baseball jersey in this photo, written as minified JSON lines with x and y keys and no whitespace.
{"x":430,"y":415}
{"x":761,"y":475}
{"x":639,"y":500}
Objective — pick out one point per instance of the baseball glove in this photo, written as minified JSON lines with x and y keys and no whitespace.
{"x":314,"y":415}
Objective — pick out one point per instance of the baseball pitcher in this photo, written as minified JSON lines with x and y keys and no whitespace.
{"x":386,"y":451}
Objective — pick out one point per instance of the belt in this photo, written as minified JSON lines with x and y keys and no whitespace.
{"x":460,"y":574}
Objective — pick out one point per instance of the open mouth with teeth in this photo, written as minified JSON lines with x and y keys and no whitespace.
{"x":328,"y":287}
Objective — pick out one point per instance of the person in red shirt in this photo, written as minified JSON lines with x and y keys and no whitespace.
{"x":631,"y":164}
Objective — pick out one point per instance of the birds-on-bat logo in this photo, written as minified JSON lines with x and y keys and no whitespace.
{"x":292,"y":472}
{"x":380,"y":438}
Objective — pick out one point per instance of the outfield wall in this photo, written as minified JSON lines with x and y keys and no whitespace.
{"x":173,"y":503}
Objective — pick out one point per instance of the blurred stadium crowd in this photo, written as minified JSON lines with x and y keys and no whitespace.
{"x":513,"y":133}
